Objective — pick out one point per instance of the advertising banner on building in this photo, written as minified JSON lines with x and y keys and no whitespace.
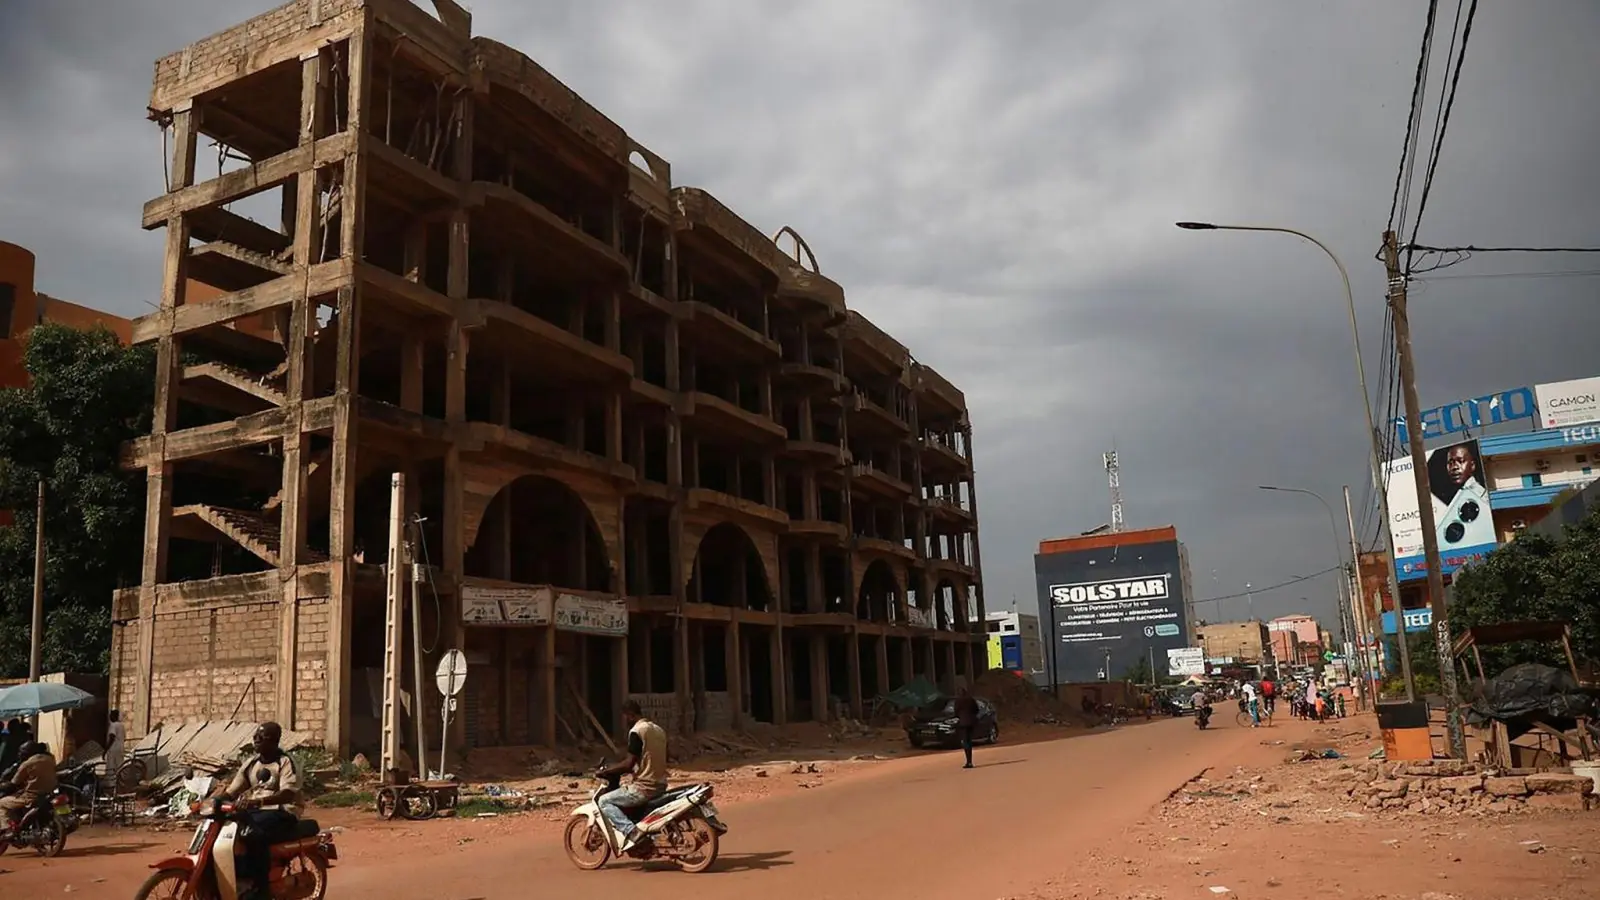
{"x":1108,"y":610}
{"x":1461,"y":511}
{"x":1186,"y":661}
{"x":1566,"y":403}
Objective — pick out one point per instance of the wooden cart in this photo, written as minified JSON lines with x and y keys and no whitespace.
{"x":1497,"y":736}
{"x":417,"y":800}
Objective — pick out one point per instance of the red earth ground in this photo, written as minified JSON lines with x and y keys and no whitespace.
{"x":1090,"y":816}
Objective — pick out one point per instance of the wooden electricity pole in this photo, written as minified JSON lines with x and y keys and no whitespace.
{"x":1419,"y":470}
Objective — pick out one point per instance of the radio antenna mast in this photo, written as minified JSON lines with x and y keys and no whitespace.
{"x":1116,"y":490}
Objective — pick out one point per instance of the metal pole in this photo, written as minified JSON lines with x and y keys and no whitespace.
{"x":1419,"y":471}
{"x":1358,"y":605}
{"x":391,"y":625}
{"x":1374,"y":462}
{"x":416,"y":673}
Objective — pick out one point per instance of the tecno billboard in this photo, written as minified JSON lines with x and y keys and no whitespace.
{"x":1107,"y":609}
{"x":1568,"y":402}
{"x":1555,"y":405}
{"x":1462,"y":516}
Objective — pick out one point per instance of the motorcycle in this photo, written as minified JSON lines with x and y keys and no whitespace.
{"x":1202,"y":717}
{"x":44,"y":827}
{"x":206,"y":869}
{"x":681,"y":826}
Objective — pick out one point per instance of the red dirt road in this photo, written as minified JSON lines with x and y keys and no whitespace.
{"x":1027,"y":816}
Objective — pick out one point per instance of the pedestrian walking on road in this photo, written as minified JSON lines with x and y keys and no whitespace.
{"x":966,"y":720}
{"x":1252,"y":704}
{"x":1341,"y":706}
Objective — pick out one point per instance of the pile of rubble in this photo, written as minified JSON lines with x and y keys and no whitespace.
{"x":1019,"y":700}
{"x":1432,"y":786}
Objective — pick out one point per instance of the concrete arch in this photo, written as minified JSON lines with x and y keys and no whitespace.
{"x":538,"y":530}
{"x":729,"y":569}
{"x":880,"y":595}
{"x":949,"y":606}
{"x":487,"y":480}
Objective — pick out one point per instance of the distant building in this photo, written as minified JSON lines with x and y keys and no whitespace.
{"x":1296,"y":639}
{"x":22,"y":307}
{"x":1227,"y":643}
{"x":1015,"y":643}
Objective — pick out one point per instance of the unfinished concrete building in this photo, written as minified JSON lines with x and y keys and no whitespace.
{"x":649,"y":452}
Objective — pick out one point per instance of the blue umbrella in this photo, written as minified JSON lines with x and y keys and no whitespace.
{"x":36,"y":697}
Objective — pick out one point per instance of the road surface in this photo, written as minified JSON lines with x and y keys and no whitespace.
{"x":915,"y":827}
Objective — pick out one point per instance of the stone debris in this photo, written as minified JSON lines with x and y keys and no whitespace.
{"x":1327,"y":790}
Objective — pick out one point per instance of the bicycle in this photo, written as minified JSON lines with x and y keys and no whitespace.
{"x":1244,"y":719}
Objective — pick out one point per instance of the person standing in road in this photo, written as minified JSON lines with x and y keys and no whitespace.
{"x":1269,"y":693}
{"x":966,"y":710}
{"x":1340,"y":704}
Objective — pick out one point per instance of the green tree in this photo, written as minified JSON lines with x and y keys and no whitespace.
{"x":1535,"y":578}
{"x":87,"y":395}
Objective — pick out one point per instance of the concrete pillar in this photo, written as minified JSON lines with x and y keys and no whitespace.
{"x":733,"y":648}
{"x":853,"y":661}
{"x":818,"y":645}
{"x":881,"y":645}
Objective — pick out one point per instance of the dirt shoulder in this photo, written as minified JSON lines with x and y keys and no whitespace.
{"x":1286,"y":822}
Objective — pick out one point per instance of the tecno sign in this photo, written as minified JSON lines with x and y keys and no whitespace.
{"x":1152,"y":588}
{"x":1478,"y":412}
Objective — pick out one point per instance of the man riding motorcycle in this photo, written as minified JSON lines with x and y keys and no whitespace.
{"x":35,"y":777}
{"x":647,"y":762}
{"x":265,"y":791}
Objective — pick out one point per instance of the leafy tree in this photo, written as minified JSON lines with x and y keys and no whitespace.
{"x":87,"y":395}
{"x":1536,"y":578}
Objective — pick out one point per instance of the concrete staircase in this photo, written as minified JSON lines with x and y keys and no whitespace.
{"x":253,"y":531}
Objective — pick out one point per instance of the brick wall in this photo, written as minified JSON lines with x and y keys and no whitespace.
{"x":311,"y":684}
{"x":123,"y":686}
{"x":209,"y":660}
{"x":229,"y":53}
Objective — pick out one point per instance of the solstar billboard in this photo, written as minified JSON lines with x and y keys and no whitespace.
{"x":1107,"y":609}
{"x":1462,"y":516}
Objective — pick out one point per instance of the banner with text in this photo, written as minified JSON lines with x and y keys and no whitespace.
{"x":1564,"y":403}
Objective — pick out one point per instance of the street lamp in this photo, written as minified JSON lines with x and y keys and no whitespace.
{"x":1373,"y":461}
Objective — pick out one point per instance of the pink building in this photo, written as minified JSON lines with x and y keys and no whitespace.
{"x":1289,"y":633}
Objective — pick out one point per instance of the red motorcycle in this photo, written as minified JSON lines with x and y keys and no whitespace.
{"x":44,"y":827}
{"x":205,"y":871}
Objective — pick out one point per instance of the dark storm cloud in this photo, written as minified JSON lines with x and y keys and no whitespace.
{"x":995,"y":184}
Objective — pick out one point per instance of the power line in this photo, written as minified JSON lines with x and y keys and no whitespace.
{"x":1470,"y":249}
{"x":1273,"y":587}
{"x":1444,"y":122}
{"x":1574,"y":273}
{"x":1408,"y":145}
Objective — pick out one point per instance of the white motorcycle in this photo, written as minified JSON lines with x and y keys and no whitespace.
{"x":682,"y":826}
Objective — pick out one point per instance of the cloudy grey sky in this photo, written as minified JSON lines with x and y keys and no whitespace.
{"x":995,"y":183}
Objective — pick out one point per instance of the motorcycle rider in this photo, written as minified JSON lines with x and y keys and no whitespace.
{"x":34,"y":778}
{"x":647,"y":762}
{"x":266,"y":793}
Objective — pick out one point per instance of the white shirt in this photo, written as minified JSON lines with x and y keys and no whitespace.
{"x":114,"y":752}
{"x":1248,"y":692}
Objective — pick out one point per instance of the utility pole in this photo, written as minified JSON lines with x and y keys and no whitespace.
{"x":1419,"y":469}
{"x":1358,"y":607}
{"x":395,"y":572}
{"x":36,"y":638}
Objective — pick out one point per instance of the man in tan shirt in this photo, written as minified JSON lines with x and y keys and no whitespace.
{"x":34,"y":778}
{"x":647,"y":761}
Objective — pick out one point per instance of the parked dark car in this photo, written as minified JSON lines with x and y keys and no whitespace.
{"x":935,"y":726}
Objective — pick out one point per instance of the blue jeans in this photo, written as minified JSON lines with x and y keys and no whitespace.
{"x":614,"y":805}
{"x":1255,"y":712}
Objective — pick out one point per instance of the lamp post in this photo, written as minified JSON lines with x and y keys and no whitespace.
{"x":1346,"y":603}
{"x":1373,"y":461}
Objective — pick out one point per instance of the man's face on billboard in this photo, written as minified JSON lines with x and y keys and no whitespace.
{"x":1460,"y":465}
